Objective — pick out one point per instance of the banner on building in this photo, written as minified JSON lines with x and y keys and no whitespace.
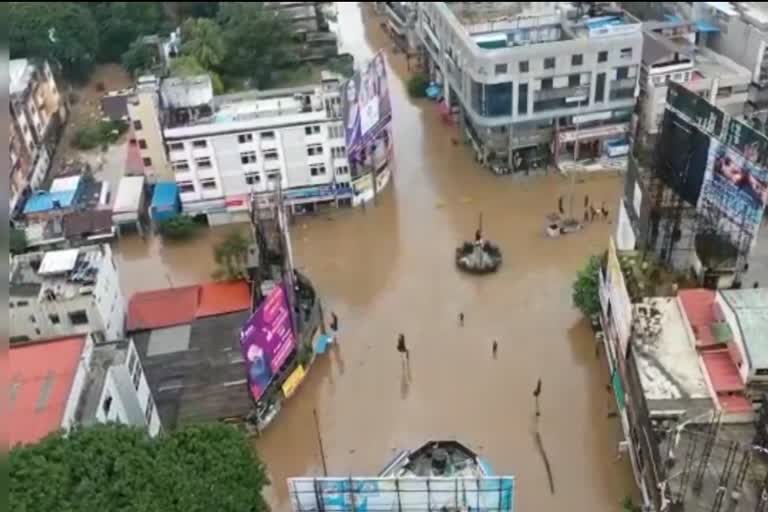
{"x":266,"y":340}
{"x":734,"y":193}
{"x":400,"y":494}
{"x":293,"y":381}
{"x":366,"y":105}
{"x":621,"y":305}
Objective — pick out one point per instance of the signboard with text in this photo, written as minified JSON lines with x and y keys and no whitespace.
{"x":266,"y":340}
{"x":366,"y":106}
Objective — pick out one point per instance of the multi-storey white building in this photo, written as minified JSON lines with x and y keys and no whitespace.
{"x":528,"y":79}
{"x":222,"y":149}
{"x":64,"y":293}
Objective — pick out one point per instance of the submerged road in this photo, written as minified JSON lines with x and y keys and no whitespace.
{"x":390,"y":269}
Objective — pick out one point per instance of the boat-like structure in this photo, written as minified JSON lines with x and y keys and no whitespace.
{"x":439,"y":476}
{"x":478,"y":257}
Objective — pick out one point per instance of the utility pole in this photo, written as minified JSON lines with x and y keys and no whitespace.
{"x":320,"y":442}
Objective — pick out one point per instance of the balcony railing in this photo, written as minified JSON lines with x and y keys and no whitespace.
{"x":562,"y":92}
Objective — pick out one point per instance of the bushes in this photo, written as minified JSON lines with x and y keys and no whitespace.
{"x":586,"y":295}
{"x":417,"y":85}
{"x":98,"y":134}
{"x":179,"y":227}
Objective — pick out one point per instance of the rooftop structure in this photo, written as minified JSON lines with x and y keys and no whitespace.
{"x":21,"y":73}
{"x":751,"y":310}
{"x":45,"y":380}
{"x":65,"y":292}
{"x":667,"y":362}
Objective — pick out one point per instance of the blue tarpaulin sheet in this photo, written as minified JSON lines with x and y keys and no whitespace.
{"x":42,"y":201}
{"x":165,"y":200}
{"x":705,"y":26}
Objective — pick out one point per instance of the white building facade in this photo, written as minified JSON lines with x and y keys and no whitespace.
{"x":66,"y":292}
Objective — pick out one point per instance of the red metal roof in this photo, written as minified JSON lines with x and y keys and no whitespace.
{"x":722,"y":371}
{"x":223,"y":298}
{"x":175,"y":306}
{"x":735,"y":403}
{"x":41,"y":376}
{"x":699,"y":307}
{"x":162,"y":308}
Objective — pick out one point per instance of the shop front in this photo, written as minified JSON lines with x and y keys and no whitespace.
{"x":606,"y":141}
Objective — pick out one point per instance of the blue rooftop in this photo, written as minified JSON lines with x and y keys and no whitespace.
{"x":165,"y":194}
{"x":43,"y":201}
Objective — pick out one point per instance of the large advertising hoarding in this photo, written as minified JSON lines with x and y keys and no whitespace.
{"x":385,"y":494}
{"x":366,"y":106}
{"x":618,"y":297}
{"x":267,"y":339}
{"x":736,"y":190}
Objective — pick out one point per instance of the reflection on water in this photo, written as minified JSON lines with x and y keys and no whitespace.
{"x":390,"y":269}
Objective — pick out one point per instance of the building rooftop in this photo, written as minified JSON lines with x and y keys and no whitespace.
{"x":668,"y":363}
{"x":196,"y":371}
{"x":751,"y":309}
{"x":20,"y":73}
{"x":81,"y":191}
{"x":40,"y":378}
{"x":175,"y":306}
{"x":62,"y":274}
{"x":187,"y":92}
{"x":699,"y":308}
{"x":104,"y":356}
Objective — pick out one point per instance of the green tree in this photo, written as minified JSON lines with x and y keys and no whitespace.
{"x":198,"y":468}
{"x":586,"y":295}
{"x":258,"y":39}
{"x":17,"y":241}
{"x":186,"y":10}
{"x":417,"y":85}
{"x":203,"y":40}
{"x":140,"y":57}
{"x":120,"y":23}
{"x":64,"y":33}
{"x":186,"y":65}
{"x":231,"y":255}
{"x":180,"y":227}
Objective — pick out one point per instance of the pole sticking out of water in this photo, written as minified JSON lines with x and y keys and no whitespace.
{"x":320,"y":442}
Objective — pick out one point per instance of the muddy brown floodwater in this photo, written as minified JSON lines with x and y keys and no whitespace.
{"x":390,"y":269}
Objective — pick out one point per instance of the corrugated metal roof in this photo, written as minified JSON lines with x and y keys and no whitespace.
{"x":751,"y":309}
{"x":162,"y":308}
{"x":165,"y":194}
{"x":223,"y":298}
{"x":43,"y":201}
{"x":129,"y":194}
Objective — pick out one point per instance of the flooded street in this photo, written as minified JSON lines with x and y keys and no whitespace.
{"x":390,"y":269}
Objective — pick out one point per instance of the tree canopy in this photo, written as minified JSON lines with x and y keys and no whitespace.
{"x":203,"y":40}
{"x":231,"y":255}
{"x":120,"y":23}
{"x":114,"y":467}
{"x":61,"y":32}
{"x":586,"y":288}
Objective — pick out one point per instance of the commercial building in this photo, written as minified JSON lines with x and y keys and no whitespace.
{"x":62,"y":382}
{"x":532,"y":80}
{"x":220,"y":150}
{"x":400,"y":23}
{"x":37,"y":113}
{"x":65,"y":293}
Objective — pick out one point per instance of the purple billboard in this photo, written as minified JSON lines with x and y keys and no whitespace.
{"x":366,"y":106}
{"x":266,"y":340}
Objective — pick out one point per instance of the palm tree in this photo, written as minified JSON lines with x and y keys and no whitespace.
{"x":202,"y":39}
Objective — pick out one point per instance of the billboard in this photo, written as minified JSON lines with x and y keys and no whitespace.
{"x":366,"y":106}
{"x":266,"y":340}
{"x":383,"y":494}
{"x":682,"y":156}
{"x":736,"y":189}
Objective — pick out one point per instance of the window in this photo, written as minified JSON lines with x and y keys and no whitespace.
{"x":273,"y":176}
{"x":270,"y":154}
{"x":625,"y":53}
{"x":176,"y":146}
{"x":200,"y":144}
{"x":312,"y":130}
{"x":142,"y":144}
{"x":107,"y":405}
{"x":186,"y":186}
{"x":78,"y":317}
{"x":574,"y":80}
{"x":248,"y":157}
{"x":22,"y":303}
{"x":338,"y":152}
{"x":522,"y":99}
{"x":622,"y":73}
{"x":342,"y":170}
{"x":315,"y":149}
{"x":252,"y":178}
{"x":137,"y":377}
{"x":577,"y":60}
{"x":54,"y":318}
{"x":267,"y":135}
{"x":317,"y":170}
{"x":180,"y":166}
{"x":208,"y":184}
{"x":546,"y":84}
{"x":549,"y":63}
{"x":244,"y":138}
{"x":335,"y":131}
{"x":137,"y":125}
{"x":600,"y":88}
{"x":32,"y":319}
{"x":602,"y":56}
{"x":131,"y":361}
{"x":147,"y":161}
{"x":500,"y":69}
{"x":203,"y":163}
{"x":150,"y":409}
